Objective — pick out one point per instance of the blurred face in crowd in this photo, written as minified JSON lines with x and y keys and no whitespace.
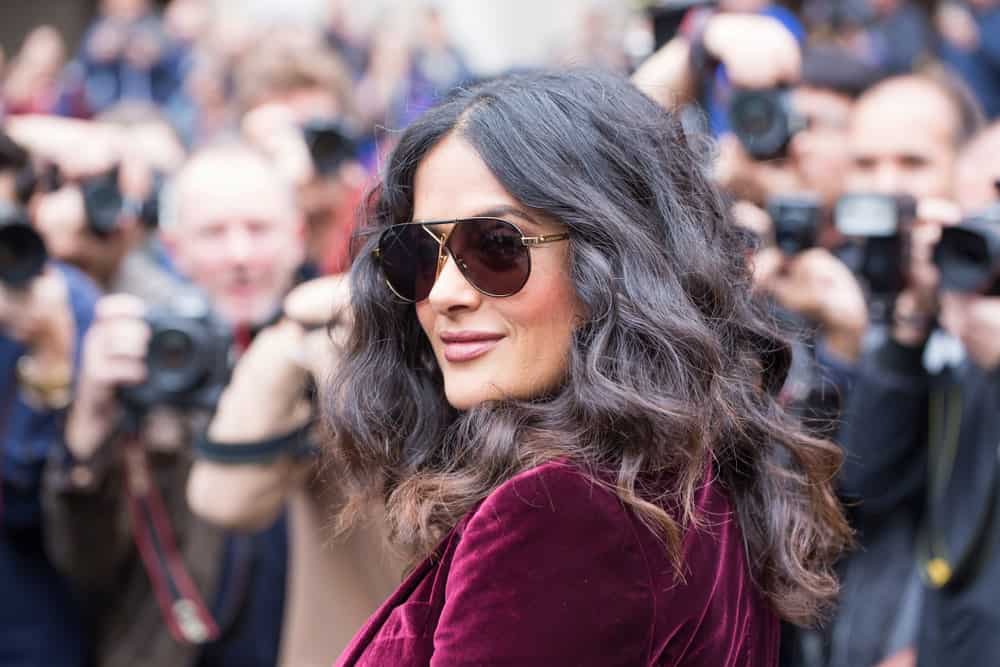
{"x":902,"y":140}
{"x":60,"y":217}
{"x":974,"y":320}
{"x":237,"y":233}
{"x":492,"y":348}
{"x":819,"y":153}
{"x":978,"y":172}
{"x":125,"y":10}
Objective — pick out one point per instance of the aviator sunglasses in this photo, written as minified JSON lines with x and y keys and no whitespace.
{"x":491,"y":253}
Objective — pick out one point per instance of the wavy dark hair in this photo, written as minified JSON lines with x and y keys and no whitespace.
{"x":673,"y":371}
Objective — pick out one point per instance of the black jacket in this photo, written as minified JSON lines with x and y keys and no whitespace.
{"x":923,"y":450}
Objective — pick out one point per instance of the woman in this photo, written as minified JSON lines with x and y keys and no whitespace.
{"x":560,"y":387}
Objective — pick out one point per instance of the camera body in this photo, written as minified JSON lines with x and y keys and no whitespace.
{"x":880,"y":224}
{"x":189,"y":358}
{"x":764,"y":121}
{"x":102,"y":202}
{"x":666,"y":17}
{"x":796,"y":220}
{"x":968,"y":254}
{"x":22,"y":249}
{"x":330,"y":144}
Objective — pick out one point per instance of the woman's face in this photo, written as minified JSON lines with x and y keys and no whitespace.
{"x":492,"y":348}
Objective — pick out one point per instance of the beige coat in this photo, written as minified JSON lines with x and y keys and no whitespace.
{"x":334,"y":585}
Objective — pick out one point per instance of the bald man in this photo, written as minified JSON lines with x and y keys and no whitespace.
{"x":905,"y":134}
{"x":233,"y":230}
{"x":236,"y":232}
{"x":904,"y":423}
{"x":903,"y":138}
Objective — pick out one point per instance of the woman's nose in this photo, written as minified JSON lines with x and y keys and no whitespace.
{"x":451,"y":290}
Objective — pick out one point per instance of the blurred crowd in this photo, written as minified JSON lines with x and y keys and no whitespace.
{"x":178,"y":198}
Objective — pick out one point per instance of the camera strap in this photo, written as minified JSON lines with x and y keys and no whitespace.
{"x":9,"y":393}
{"x":182,"y":607}
{"x":939,"y":565}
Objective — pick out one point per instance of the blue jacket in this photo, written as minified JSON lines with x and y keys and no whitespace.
{"x":39,"y":621}
{"x":980,"y":67}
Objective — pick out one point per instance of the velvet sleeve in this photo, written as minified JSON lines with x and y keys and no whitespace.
{"x":549,"y":571}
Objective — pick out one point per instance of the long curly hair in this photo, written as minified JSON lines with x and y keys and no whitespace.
{"x":674,"y":370}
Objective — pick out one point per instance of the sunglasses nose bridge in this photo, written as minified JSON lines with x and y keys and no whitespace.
{"x":443,"y":250}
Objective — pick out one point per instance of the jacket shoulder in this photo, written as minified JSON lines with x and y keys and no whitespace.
{"x":553,"y":488}
{"x":553,"y":558}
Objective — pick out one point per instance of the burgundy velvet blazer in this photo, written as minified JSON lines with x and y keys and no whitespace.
{"x":551,"y":569}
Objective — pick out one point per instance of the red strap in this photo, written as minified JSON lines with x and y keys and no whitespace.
{"x":187,"y":617}
{"x":242,"y":337}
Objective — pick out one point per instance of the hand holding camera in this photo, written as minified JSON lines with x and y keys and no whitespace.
{"x":818,"y":286}
{"x":114,"y":354}
{"x":266,"y":397}
{"x":770,"y":59}
{"x":35,"y":310}
{"x":136,"y":358}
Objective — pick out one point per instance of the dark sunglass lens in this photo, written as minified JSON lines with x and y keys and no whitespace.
{"x":491,"y":255}
{"x":408,"y":256}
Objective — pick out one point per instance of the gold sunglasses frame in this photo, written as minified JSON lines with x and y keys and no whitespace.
{"x":444,"y":251}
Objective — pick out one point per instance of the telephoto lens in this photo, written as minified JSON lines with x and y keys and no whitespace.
{"x":764,"y":121}
{"x":22,"y":250}
{"x":968,"y":254}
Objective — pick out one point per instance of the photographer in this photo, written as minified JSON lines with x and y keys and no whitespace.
{"x":684,"y":69}
{"x":795,"y":163}
{"x":301,"y":111}
{"x":125,"y":55}
{"x":335,"y":581}
{"x":45,"y":309}
{"x":98,"y":206}
{"x":947,"y":462}
{"x":904,"y":139}
{"x":236,"y":234}
{"x":793,"y":139}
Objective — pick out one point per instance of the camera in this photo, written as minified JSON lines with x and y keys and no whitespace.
{"x":330,"y":144}
{"x":103,"y":203}
{"x":666,"y":17}
{"x":22,"y":250}
{"x":102,"y":200}
{"x":796,"y":220}
{"x":189,"y":358}
{"x":879,"y":224}
{"x":968,"y":254}
{"x":147,"y":209}
{"x":764,"y":121}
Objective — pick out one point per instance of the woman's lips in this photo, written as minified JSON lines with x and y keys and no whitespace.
{"x":468,"y":345}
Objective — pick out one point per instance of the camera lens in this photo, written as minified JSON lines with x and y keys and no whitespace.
{"x":756,"y":116}
{"x":171,"y":350}
{"x":762,"y":122}
{"x":965,"y":258}
{"x":22,"y":254}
